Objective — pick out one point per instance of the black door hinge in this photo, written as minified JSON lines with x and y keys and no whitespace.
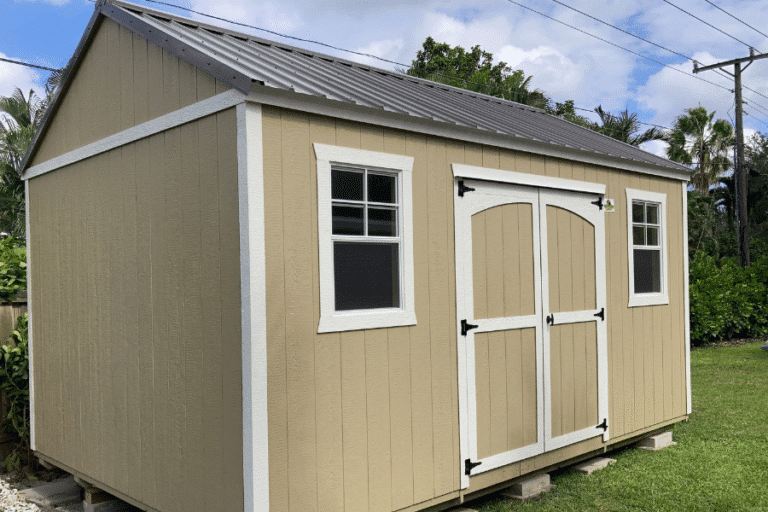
{"x":466,"y":327}
{"x":469,"y":466}
{"x":599,"y":202}
{"x":551,"y":319}
{"x":604,"y":424}
{"x":463,"y":188}
{"x":601,"y":314}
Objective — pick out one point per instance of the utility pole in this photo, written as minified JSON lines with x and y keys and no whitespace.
{"x":740,"y":170}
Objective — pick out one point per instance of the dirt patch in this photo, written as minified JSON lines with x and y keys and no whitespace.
{"x":732,"y":343}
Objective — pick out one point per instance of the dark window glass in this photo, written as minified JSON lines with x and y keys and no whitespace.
{"x":638,"y":235}
{"x":347,"y":185}
{"x":653,"y":235}
{"x":347,"y":220}
{"x":652,"y":213}
{"x":367,"y":276}
{"x":382,"y":222}
{"x":637,"y":212}
{"x":647,"y":271}
{"x":382,"y":189}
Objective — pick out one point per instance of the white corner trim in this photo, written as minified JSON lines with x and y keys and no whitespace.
{"x":648,"y":299}
{"x":253,"y":307}
{"x":185,"y":115}
{"x":686,"y":295}
{"x":330,"y":320}
{"x":531,"y":180}
{"x":381,"y":117}
{"x":30,"y":343}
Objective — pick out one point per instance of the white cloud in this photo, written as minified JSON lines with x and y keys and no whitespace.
{"x":277,"y":16}
{"x":14,"y":75}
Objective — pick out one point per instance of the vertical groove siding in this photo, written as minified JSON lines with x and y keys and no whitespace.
{"x":131,"y":81}
{"x":368,"y":420}
{"x":137,"y":318}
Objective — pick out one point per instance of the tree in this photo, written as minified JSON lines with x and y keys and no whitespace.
{"x":624,"y":127}
{"x":696,"y":140}
{"x":474,"y":70}
{"x":19,"y":119}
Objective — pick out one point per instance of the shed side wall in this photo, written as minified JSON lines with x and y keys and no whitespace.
{"x":137,"y":318}
{"x":368,"y":420}
{"x":134,"y":80}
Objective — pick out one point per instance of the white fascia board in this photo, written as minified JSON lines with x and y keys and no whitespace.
{"x":253,"y":307}
{"x":531,"y":180}
{"x":30,"y":339}
{"x":686,"y":295}
{"x":381,"y":117}
{"x":184,"y":115}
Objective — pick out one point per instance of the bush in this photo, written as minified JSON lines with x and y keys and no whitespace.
{"x":727,"y":301}
{"x":14,"y":381}
{"x":13,"y":268}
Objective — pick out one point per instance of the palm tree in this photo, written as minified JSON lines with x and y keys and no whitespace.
{"x":696,"y":140}
{"x":19,"y":119}
{"x":624,"y":127}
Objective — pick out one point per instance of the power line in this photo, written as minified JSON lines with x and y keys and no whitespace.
{"x":616,"y":45}
{"x":20,"y":63}
{"x":720,"y":73}
{"x":278,"y":33}
{"x":737,"y":19}
{"x":708,"y":24}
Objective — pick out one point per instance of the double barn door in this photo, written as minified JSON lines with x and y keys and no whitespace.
{"x":531,"y":319}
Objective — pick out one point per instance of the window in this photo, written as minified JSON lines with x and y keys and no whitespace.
{"x":365,"y":239}
{"x":647,"y":248}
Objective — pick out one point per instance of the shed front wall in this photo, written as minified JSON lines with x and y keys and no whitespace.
{"x":368,"y":420}
{"x":136,"y":318}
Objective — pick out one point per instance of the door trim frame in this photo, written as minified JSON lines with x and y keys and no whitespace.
{"x":531,"y":180}
{"x":506,"y":177}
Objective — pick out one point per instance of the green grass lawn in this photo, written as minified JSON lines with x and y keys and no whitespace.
{"x":720,"y":461}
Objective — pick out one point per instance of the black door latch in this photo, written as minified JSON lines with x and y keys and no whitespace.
{"x":466,"y":327}
{"x":551,"y":319}
{"x":599,"y":202}
{"x":463,"y":188}
{"x":469,"y":466}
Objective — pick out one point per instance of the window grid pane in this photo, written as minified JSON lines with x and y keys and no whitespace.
{"x":646,"y":239}
{"x":367,"y":270}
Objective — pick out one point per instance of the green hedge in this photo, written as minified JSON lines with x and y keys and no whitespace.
{"x":727,"y":301}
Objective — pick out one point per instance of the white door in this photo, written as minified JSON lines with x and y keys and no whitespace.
{"x":513,"y":363}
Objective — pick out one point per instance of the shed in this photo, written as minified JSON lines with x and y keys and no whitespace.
{"x":267,"y":279}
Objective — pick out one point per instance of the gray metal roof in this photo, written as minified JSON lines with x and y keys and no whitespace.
{"x":243,"y":60}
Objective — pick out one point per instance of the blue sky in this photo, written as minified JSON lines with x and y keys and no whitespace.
{"x":565,"y":64}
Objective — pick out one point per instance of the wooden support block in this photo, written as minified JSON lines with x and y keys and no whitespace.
{"x":528,"y":488}
{"x":657,"y":442}
{"x":96,"y":496}
{"x":590,"y":466}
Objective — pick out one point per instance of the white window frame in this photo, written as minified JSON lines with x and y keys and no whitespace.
{"x":656,"y":298}
{"x":336,"y":321}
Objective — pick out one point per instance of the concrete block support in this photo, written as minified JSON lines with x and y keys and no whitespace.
{"x":590,"y":466}
{"x":529,"y":488}
{"x":657,"y":442}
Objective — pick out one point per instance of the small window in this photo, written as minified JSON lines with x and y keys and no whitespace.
{"x":365,"y":239}
{"x":647,"y":251}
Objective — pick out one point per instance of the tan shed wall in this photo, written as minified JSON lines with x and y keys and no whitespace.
{"x":368,"y":420}
{"x":131,"y":81}
{"x":136,"y":317}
